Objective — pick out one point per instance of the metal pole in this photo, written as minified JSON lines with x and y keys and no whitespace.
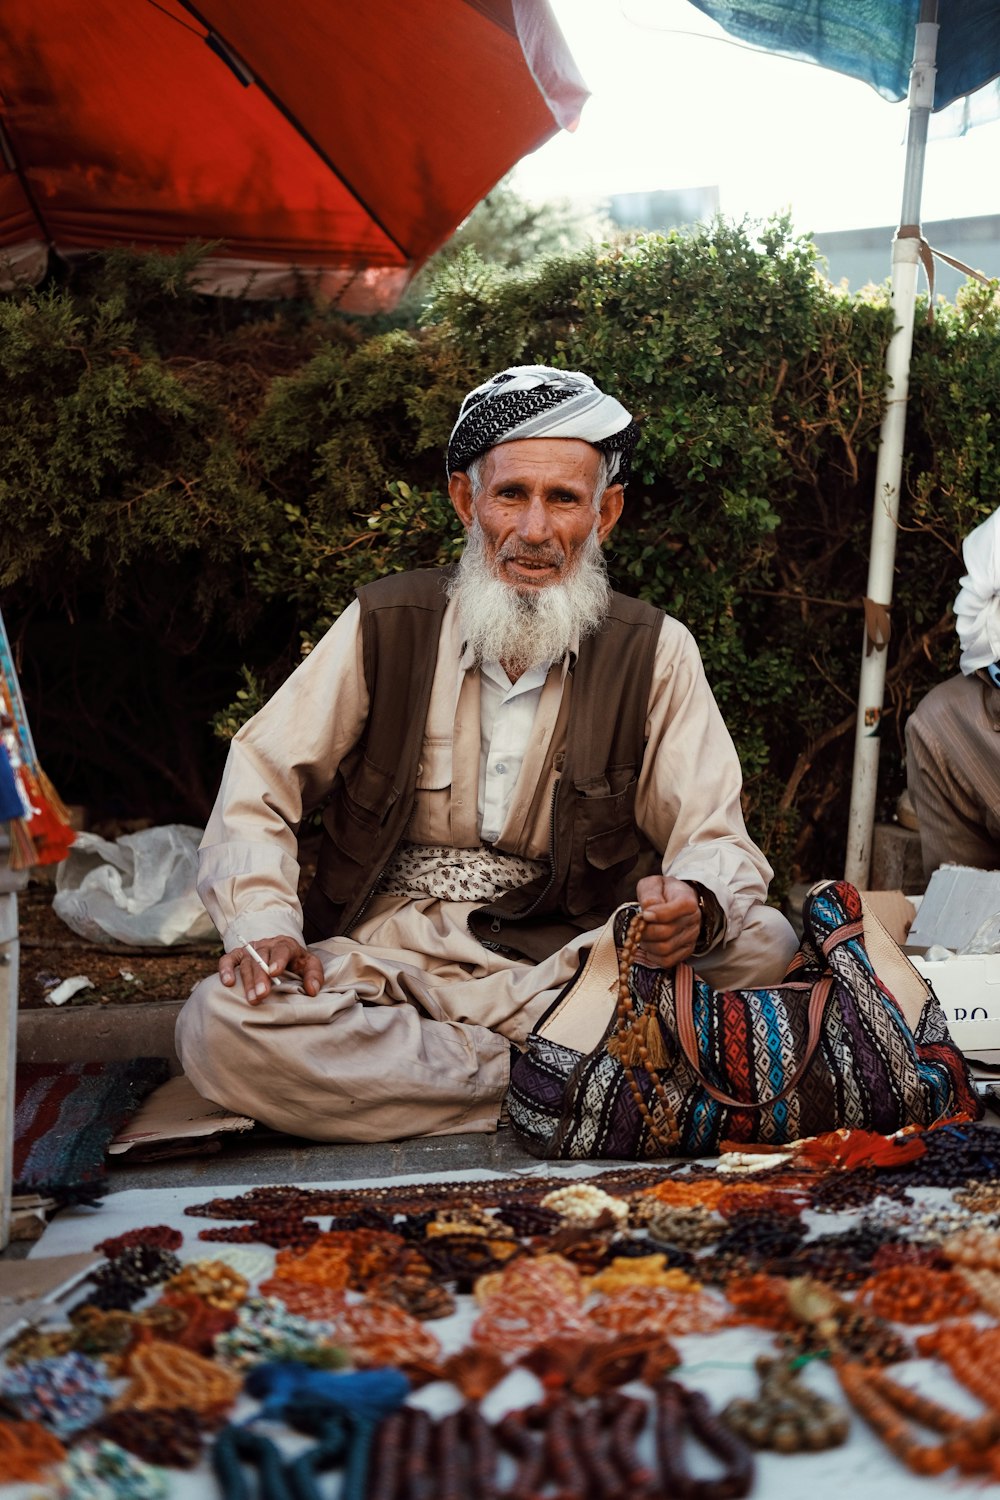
{"x":905,"y":259}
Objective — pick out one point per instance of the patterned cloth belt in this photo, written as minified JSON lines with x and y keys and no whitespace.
{"x":480,"y":874}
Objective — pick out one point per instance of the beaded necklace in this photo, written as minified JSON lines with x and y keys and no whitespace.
{"x":890,"y":1408}
{"x":786,"y":1415}
{"x":27,"y":1449}
{"x":267,"y":1202}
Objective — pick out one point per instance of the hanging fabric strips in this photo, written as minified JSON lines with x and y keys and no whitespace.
{"x":29,"y":804}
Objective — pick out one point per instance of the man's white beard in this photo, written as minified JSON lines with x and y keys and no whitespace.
{"x":533,"y":627}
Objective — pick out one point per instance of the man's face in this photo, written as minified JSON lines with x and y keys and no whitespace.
{"x":536,"y":508}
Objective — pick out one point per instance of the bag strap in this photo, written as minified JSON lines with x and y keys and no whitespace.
{"x":579,"y":1016}
{"x":688,"y":1036}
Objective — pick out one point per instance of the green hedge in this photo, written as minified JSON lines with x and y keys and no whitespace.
{"x":192,"y":490}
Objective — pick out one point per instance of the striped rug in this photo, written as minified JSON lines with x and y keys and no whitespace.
{"x":65,"y":1117}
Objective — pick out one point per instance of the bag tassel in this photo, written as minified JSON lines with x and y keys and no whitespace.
{"x":641,"y":1045}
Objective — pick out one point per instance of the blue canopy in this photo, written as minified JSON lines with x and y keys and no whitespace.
{"x":872,"y":39}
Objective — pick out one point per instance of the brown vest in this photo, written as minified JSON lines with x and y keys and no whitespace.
{"x":597,"y":852}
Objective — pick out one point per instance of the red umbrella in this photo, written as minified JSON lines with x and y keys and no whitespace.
{"x":338,"y":141}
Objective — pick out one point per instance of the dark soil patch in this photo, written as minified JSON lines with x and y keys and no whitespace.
{"x":120,"y":976}
{"x":51,"y":952}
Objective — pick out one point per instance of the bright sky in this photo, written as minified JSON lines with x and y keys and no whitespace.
{"x":669,"y":109}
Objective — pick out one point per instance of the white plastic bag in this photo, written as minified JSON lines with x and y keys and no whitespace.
{"x":139,"y":890}
{"x":986,"y":938}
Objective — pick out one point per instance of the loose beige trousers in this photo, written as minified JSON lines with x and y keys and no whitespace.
{"x":953,"y":772}
{"x":403,"y":1043}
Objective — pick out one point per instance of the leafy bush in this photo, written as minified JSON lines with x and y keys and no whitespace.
{"x":205,"y":484}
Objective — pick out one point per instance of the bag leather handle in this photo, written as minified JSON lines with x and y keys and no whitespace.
{"x":688,"y":1036}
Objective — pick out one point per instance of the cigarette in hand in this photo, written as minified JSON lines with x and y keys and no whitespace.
{"x":254,"y":954}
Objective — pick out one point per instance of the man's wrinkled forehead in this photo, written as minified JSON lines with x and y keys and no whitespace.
{"x":529,"y":401}
{"x":548,"y":464}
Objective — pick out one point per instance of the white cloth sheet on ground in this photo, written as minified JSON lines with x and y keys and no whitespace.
{"x":720,"y":1365}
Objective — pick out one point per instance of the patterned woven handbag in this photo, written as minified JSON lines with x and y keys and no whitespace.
{"x":853,"y":1036}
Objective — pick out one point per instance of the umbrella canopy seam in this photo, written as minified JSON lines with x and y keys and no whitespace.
{"x":296,"y":125}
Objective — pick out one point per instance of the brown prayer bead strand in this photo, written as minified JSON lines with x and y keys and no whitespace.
{"x":449,"y":1459}
{"x":883,"y":1416}
{"x":197,"y":1323}
{"x":483,"y":1452}
{"x":474,"y":1371}
{"x":588,"y":1252}
{"x":971,"y":1355}
{"x":564,"y":1468}
{"x":281,"y":1232}
{"x":419,"y":1481}
{"x":594,"y":1442}
{"x":730,"y":1449}
{"x":675,"y":1405}
{"x":463,"y":1258}
{"x":160,"y":1235}
{"x":625,"y":1357}
{"x":761,"y":1299}
{"x":416,"y":1295}
{"x":387,"y":1456}
{"x":169,"y":1437}
{"x":912,"y":1294}
{"x":627,"y":1024}
{"x":975,"y":1432}
{"x":458,"y":1220}
{"x":262,"y":1203}
{"x":626,"y":1420}
{"x":527,"y":1451}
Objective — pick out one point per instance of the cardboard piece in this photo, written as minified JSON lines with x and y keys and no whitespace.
{"x":957,"y":902}
{"x":968,"y":986}
{"x":176,"y":1115}
{"x":29,"y":1289}
{"x":894,"y":910}
{"x":34,"y":1280}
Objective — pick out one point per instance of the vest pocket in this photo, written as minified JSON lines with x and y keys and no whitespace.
{"x":606,"y":844}
{"x":353,"y":825}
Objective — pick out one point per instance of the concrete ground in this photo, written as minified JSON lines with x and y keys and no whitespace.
{"x":265,"y":1157}
{"x":272,"y":1158}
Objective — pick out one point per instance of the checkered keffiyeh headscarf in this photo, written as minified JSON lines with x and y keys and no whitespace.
{"x":977,"y":608}
{"x":535,"y":401}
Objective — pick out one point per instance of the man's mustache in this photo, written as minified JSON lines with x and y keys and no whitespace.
{"x":534,"y":552}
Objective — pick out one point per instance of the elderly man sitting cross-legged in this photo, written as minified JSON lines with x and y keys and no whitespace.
{"x":503,"y":753}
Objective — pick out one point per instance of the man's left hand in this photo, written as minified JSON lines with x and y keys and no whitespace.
{"x":673,"y":920}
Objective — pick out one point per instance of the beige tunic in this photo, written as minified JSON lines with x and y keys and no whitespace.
{"x":408,"y":1035}
{"x":953,"y":772}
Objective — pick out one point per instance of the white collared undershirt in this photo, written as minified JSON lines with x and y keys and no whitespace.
{"x":507,"y":713}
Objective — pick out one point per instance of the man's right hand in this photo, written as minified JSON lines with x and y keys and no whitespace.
{"x":283,"y":955}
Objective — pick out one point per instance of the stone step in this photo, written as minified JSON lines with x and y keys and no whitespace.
{"x":99,"y":1033}
{"x":897,"y":863}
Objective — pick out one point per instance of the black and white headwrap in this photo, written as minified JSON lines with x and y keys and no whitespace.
{"x":535,"y":401}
